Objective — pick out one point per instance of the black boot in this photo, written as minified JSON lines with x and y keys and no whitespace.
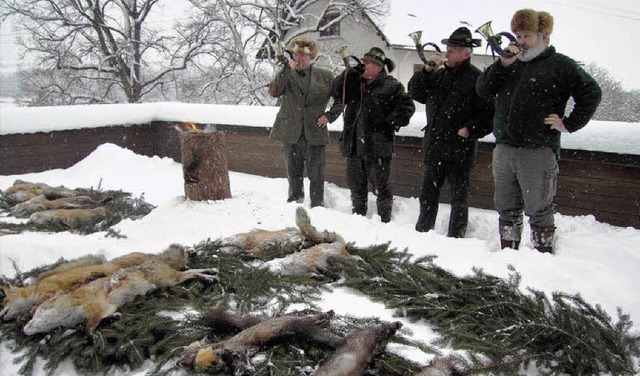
{"x":513,"y":244}
{"x":359,"y":208}
{"x":510,"y":234}
{"x":542,"y":238}
{"x":384,"y":210}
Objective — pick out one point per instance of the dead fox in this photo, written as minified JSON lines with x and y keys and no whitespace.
{"x":41,"y":202}
{"x":308,"y":260}
{"x":22,"y":191}
{"x":68,"y":276}
{"x":68,"y":218}
{"x":98,"y":299}
{"x":305,"y":235}
{"x":358,"y":350}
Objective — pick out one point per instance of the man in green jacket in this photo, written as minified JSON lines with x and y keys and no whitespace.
{"x":304,"y":91}
{"x":531,"y":89}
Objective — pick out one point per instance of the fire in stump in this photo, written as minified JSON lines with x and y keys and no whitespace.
{"x":204,"y":165}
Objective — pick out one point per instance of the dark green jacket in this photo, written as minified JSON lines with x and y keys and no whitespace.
{"x":376,"y":110}
{"x":527,"y":92}
{"x":300,"y":108}
{"x":452,"y":103}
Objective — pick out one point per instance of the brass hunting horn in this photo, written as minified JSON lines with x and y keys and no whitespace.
{"x":280,"y":54}
{"x":342,"y":51}
{"x":495,"y":40}
{"x":416,"y":36}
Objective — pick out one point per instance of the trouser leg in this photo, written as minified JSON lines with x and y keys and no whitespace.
{"x":315,"y":170}
{"x":357,"y":183}
{"x":507,"y":196}
{"x":384,"y":199}
{"x":294,"y":156}
{"x":432,"y":182}
{"x":459,"y":181}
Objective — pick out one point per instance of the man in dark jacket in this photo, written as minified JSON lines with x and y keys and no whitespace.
{"x":376,"y":107}
{"x":456,"y":117}
{"x":531,"y":90}
{"x":301,"y":122}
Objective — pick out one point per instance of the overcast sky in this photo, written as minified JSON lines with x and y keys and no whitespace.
{"x":600,"y":31}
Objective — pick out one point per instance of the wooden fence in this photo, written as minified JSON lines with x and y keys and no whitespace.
{"x":605,"y":185}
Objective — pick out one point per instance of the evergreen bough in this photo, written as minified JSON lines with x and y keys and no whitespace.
{"x":493,"y":325}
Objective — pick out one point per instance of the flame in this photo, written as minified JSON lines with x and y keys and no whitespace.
{"x":188,"y":126}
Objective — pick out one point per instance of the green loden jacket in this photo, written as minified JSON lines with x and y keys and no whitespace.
{"x":300,"y":109}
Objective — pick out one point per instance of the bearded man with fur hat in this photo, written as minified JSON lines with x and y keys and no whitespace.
{"x":304,"y":91}
{"x":457,"y":117}
{"x":531,"y":90}
{"x":377,"y":106}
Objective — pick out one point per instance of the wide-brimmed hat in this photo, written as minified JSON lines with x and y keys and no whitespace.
{"x":462,"y":38}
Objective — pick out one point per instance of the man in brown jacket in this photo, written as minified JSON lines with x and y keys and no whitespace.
{"x":304,"y":91}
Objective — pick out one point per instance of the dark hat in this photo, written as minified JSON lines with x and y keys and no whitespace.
{"x":462,"y":38}
{"x":376,"y":55}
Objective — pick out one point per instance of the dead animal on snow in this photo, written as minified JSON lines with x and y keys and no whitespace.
{"x":305,"y":235}
{"x":73,"y":274}
{"x":22,"y":191}
{"x":68,"y":218}
{"x":232,"y":354}
{"x":440,"y":366}
{"x":41,"y":202}
{"x":309,"y":260}
{"x":98,"y":299}
{"x":358,"y":350}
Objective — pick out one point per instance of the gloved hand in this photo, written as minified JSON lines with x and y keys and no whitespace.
{"x":359,"y":69}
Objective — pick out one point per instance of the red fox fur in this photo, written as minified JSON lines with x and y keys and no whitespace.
{"x":40,"y":203}
{"x":92,"y":302}
{"x":312,"y":259}
{"x":22,"y":191}
{"x":304,"y":235}
{"x":68,"y":276}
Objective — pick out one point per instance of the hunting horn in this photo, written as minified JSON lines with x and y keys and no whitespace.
{"x":495,"y":40}
{"x":342,"y":51}
{"x":416,"y":36}
{"x":279,"y":51}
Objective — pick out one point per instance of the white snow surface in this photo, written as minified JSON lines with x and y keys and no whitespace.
{"x":606,"y":136}
{"x":596,"y":260}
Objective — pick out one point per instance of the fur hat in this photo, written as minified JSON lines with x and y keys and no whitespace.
{"x":376,"y":55}
{"x":461,"y":37}
{"x":531,"y":20}
{"x":305,"y":46}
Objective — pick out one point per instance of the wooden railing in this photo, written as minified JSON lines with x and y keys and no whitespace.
{"x":605,"y":185}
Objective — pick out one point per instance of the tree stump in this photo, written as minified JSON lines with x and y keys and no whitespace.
{"x":205,"y":166}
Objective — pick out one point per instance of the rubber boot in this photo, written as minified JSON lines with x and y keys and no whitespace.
{"x":384,"y":210}
{"x":542,"y":238}
{"x":510,"y":234}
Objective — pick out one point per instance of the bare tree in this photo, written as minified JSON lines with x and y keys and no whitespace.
{"x":110,"y":41}
{"x":617,"y":104}
{"x":252,"y":26}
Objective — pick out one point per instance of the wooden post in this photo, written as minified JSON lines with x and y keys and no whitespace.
{"x":205,"y":166}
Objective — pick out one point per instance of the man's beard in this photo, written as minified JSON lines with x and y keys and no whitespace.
{"x":533,"y":52}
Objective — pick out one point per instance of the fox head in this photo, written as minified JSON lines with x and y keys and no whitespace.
{"x":176,"y":256}
{"x":17,"y":301}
